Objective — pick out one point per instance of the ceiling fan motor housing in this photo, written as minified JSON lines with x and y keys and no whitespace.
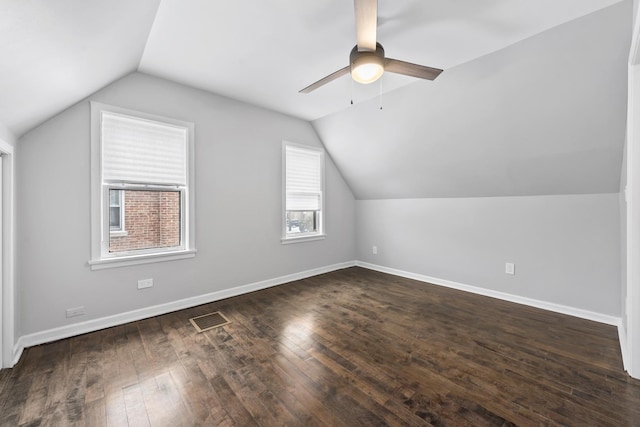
{"x":367,"y":66}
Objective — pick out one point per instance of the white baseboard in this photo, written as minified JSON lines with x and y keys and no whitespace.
{"x":17,"y":352}
{"x":131,"y":316}
{"x":156,"y":310}
{"x":622,"y":337}
{"x":557,"y":308}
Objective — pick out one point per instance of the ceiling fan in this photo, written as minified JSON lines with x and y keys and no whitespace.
{"x":367,"y":62}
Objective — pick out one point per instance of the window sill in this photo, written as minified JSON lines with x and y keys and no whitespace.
{"x":308,"y":238}
{"x":118,"y":233}
{"x":125,"y":261}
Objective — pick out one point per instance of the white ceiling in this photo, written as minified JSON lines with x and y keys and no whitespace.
{"x":56,"y":52}
{"x":544,"y":116}
{"x":532,"y":99}
{"x":264,"y":52}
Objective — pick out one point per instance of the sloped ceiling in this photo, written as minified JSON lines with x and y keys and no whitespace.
{"x":531,"y":100}
{"x":544,"y":116}
{"x":57,"y":52}
{"x":264,"y":52}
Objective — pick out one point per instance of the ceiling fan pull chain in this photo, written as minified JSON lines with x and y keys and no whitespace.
{"x":351,"y":91}
{"x":380,"y":98}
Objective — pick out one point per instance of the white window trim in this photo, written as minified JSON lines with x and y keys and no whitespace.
{"x":100,"y":227}
{"x":300,"y":239}
{"x":306,"y":237}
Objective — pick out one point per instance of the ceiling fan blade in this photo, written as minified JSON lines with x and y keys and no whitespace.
{"x":366,"y":24}
{"x":409,"y":69}
{"x":323,"y":81}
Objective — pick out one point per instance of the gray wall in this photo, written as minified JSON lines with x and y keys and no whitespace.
{"x":6,"y":135}
{"x":238,"y":207}
{"x":566,"y":248}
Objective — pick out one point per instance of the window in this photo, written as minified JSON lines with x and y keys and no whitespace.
{"x":303,"y":193}
{"x":116,"y":212}
{"x":152,"y":218}
{"x":142,"y":199}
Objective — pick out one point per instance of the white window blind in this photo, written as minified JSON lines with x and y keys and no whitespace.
{"x":303,"y":179}
{"x":135,"y":150}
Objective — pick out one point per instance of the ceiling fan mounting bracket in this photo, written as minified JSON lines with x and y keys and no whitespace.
{"x":355,"y":53}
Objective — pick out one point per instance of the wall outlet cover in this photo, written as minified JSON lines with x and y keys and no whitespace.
{"x":510,"y":268}
{"x":145,"y":283}
{"x":73,"y":312}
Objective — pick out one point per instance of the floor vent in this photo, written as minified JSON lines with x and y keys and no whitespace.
{"x":209,"y":321}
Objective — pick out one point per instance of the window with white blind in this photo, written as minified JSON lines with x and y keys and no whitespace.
{"x":142,"y":198}
{"x":303,"y":193}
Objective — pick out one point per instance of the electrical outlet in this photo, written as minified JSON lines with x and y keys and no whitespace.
{"x":374,"y":250}
{"x":145,"y":283}
{"x":510,"y":268}
{"x":73,"y":312}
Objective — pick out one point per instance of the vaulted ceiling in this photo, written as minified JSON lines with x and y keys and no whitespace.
{"x":532,"y":100}
{"x":546,"y":115}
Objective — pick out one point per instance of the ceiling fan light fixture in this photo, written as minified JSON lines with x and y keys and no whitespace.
{"x":366,"y":72}
{"x":366,"y":66}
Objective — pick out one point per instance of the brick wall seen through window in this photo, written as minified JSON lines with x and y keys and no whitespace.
{"x":151,"y":220}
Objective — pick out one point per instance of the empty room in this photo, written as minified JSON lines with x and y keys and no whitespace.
{"x":330,"y":213}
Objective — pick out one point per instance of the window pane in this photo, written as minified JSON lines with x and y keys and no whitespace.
{"x":152,"y":220}
{"x":115,"y":211}
{"x":114,"y":218}
{"x":302,"y":222}
{"x":114,"y":197}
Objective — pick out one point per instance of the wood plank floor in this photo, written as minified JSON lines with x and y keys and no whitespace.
{"x":352,"y":347}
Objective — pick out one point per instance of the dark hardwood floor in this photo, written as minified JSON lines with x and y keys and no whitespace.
{"x":352,"y":347}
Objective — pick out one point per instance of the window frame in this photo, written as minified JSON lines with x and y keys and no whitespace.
{"x":100,"y":228}
{"x":320,"y":233}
